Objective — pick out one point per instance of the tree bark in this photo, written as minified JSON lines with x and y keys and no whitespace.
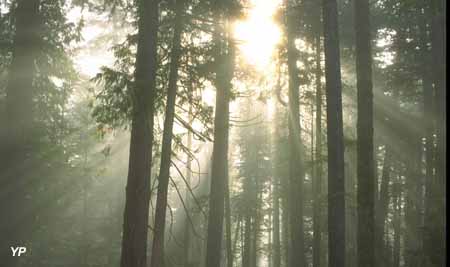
{"x":19,"y":88}
{"x":317,"y":179}
{"x":296,"y":170}
{"x":285,"y":225}
{"x":16,"y":130}
{"x":383,"y":200}
{"x":224,"y":61}
{"x":228,"y":224}
{"x":396,"y":221}
{"x":255,"y":226}
{"x":157,"y":255}
{"x":247,"y":242}
{"x":412,"y":210}
{"x":276,"y":214}
{"x":437,"y":253}
{"x":351,"y":206}
{"x":365,"y":152}
{"x":135,"y":225}
{"x":335,"y":143}
{"x":428,"y":122}
{"x":269,"y":229}
{"x":187,"y":226}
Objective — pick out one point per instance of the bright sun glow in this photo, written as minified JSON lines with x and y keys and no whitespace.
{"x":258,"y":35}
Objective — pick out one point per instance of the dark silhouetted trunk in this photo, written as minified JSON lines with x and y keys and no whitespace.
{"x":187,"y":226}
{"x":383,"y":200}
{"x":296,"y":171}
{"x":276,"y":240}
{"x":157,"y":255}
{"x":365,"y":152}
{"x":270,"y":230}
{"x":351,"y":206}
{"x":135,"y":224}
{"x":396,"y":201}
{"x":255,"y":226}
{"x":84,"y":248}
{"x":317,"y":179}
{"x":285,"y":224}
{"x":412,"y":209}
{"x":247,"y":242}
{"x":335,"y":138}
{"x":228,"y":224}
{"x":437,"y":211}
{"x":19,"y":89}
{"x":237,"y":232}
{"x":16,"y":131}
{"x":224,"y":63}
{"x":428,"y":122}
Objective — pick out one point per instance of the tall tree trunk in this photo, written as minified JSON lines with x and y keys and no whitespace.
{"x":296,"y":171}
{"x":157,"y":255}
{"x":255,"y":226}
{"x":135,"y":224}
{"x":15,"y":132}
{"x":351,"y":207}
{"x":224,"y":61}
{"x":285,"y":231}
{"x":412,"y":210}
{"x":84,"y":249}
{"x":396,"y":199}
{"x":317,"y":179}
{"x":276,"y":244}
{"x":187,"y":226}
{"x":19,"y":89}
{"x":270,"y":230}
{"x":247,"y":241}
{"x":428,"y":122}
{"x":335,"y":137}
{"x":437,"y":232}
{"x":429,"y":175}
{"x":237,"y":232}
{"x":383,"y":200}
{"x":365,"y":152}
{"x":228,"y":224}
{"x":283,"y":194}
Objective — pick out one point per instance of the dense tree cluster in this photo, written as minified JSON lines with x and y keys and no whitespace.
{"x":179,"y":150}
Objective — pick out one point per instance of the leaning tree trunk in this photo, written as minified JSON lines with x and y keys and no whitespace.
{"x":157,"y":255}
{"x":335,"y":137}
{"x":364,"y":126}
{"x":135,"y":224}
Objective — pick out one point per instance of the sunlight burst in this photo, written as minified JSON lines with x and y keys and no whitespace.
{"x":258,"y":34}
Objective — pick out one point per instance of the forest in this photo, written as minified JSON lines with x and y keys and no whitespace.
{"x":222,"y":133}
